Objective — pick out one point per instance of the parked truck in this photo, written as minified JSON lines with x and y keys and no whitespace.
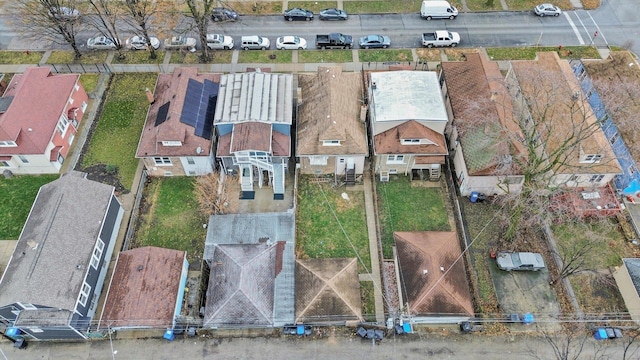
{"x":334,"y":41}
{"x":440,"y":38}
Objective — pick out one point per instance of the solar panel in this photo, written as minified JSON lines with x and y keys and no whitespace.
{"x":5,"y":102}
{"x":199,"y":106}
{"x":162,"y":113}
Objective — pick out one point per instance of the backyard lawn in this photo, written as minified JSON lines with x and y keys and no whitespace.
{"x":169,"y":218}
{"x":18,"y":194}
{"x":320,"y":235}
{"x":403,"y":207}
{"x":115,"y":139}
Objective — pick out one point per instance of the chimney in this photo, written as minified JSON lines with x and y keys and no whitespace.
{"x":373,"y":85}
{"x":150,"y":96}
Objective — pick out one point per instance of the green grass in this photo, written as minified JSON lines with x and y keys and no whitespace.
{"x":116,"y":137}
{"x":263,"y":57}
{"x":89,"y":81}
{"x":217,"y":57}
{"x":405,"y":208}
{"x":320,"y":235}
{"x":384,"y":55}
{"x":482,"y":5}
{"x":597,"y":293}
{"x":20,"y":57}
{"x":367,"y":296}
{"x":68,"y":57}
{"x":138,"y":57}
{"x":529,"y":53}
{"x":325,"y":56}
{"x":18,"y":194}
{"x":256,"y":7}
{"x":376,"y":7}
{"x":173,"y":220}
{"x":314,"y":6}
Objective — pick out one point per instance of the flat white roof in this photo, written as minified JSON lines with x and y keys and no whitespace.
{"x":407,"y":95}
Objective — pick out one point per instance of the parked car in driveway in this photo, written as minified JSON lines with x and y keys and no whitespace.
{"x":291,"y":43}
{"x":333,"y":14}
{"x":223,"y":14}
{"x":374,"y":42}
{"x":219,"y":42}
{"x":298,"y":14}
{"x":180,"y":42}
{"x":509,"y":261}
{"x":140,"y":43}
{"x":547,"y":10}
{"x":101,"y":43}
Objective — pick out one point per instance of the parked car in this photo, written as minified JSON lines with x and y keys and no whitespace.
{"x":300,"y":330}
{"x":605,"y":333}
{"x":101,"y":43}
{"x":374,"y":42}
{"x":520,"y":261}
{"x":223,"y":14}
{"x":140,"y":43}
{"x":64,"y":13}
{"x":291,"y":43}
{"x":219,"y":42}
{"x":332,"y":14}
{"x":547,"y":10}
{"x":255,"y":42}
{"x":180,"y":42}
{"x":298,"y":14}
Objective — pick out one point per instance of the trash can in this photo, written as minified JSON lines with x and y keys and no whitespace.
{"x":20,"y":344}
{"x":474,"y":196}
{"x":527,"y":318}
{"x":169,"y":335}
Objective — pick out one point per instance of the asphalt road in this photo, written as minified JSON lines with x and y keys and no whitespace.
{"x":616,"y":22}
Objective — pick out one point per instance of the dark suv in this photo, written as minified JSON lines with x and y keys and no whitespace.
{"x":223,"y":14}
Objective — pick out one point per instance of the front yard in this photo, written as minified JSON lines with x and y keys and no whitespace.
{"x":403,"y":207}
{"x":170,"y":218}
{"x":18,"y":194}
{"x":328,"y":226}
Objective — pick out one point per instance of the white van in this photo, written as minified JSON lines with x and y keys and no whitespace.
{"x":255,"y":42}
{"x":437,"y":9}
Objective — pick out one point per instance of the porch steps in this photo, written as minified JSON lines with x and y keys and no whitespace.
{"x":350,"y":177}
{"x":278,"y":181}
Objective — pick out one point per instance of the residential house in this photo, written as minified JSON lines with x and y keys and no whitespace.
{"x":253,"y":120}
{"x":627,"y":277}
{"x":147,"y":289}
{"x":39,"y":117}
{"x":565,"y":127}
{"x":331,"y":134}
{"x":408,"y":119}
{"x":51,"y":286}
{"x":611,"y":87}
{"x":483,"y":136}
{"x":249,"y":260}
{"x":178,"y":132}
{"x":433,"y":284}
{"x":327,"y":291}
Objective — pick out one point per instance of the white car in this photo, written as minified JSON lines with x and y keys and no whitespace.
{"x":180,"y":42}
{"x":101,"y":43}
{"x":547,"y":10}
{"x":64,"y":13}
{"x":219,"y":42}
{"x":508,"y":261}
{"x":291,"y":43}
{"x":140,"y":43}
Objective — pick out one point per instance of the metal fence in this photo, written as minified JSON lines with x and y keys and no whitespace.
{"x":79,"y":68}
{"x":134,"y":211}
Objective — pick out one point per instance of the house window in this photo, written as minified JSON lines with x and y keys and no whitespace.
{"x":592,"y":158}
{"x":330,"y":142}
{"x":410,"y":141}
{"x":84,"y":106}
{"x":34,"y":329}
{"x":60,"y":158}
{"x":190,"y":161}
{"x":70,"y":139}
{"x":393,"y":171}
{"x":84,"y":294}
{"x":614,"y":138}
{"x":71,"y":101}
{"x":162,"y":161}
{"x":318,"y":160}
{"x":631,"y":170}
{"x":62,"y":125}
{"x":596,"y":178}
{"x":395,"y":159}
{"x":94,"y":301}
{"x":192,"y":173}
{"x":97,"y":254}
{"x":23,"y":159}
{"x":573,"y":178}
{"x":8,"y":144}
{"x":341,"y":160}
{"x":168,"y":173}
{"x":77,"y":87}
{"x":172,"y":143}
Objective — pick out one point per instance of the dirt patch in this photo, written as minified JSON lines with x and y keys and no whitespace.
{"x":106,"y":174}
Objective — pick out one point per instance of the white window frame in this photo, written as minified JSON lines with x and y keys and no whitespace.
{"x":318,"y":160}
{"x":596,"y":178}
{"x":395,"y":159}
{"x":191,"y":161}
{"x":172,"y":143}
{"x":97,"y":254}
{"x":592,"y":158}
{"x":411,"y":141}
{"x":574,"y":178}
{"x":62,"y":125}
{"x":8,"y":143}
{"x":84,"y":294}
{"x":162,"y":161}
{"x":614,"y":138}
{"x":84,"y":106}
{"x":77,"y":87}
{"x":392,"y":171}
{"x":70,"y":101}
{"x":330,"y":142}
{"x":23,"y":159}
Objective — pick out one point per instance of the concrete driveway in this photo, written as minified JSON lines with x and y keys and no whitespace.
{"x":526,"y":292}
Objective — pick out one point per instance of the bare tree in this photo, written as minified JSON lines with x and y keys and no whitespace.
{"x":200,"y":12}
{"x":107,"y":13}
{"x":567,"y":344}
{"x":574,"y":258}
{"x":54,"y":20}
{"x":146,"y":16}
{"x":212,"y":194}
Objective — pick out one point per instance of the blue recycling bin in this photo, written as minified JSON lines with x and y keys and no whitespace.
{"x":169,"y":335}
{"x":600,"y":334}
{"x":407,"y":328}
{"x":527,"y":318}
{"x":474,"y":196}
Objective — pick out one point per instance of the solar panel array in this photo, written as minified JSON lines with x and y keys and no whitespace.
{"x":199,"y":107}
{"x":162,"y":113}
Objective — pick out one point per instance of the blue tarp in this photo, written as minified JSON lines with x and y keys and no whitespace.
{"x":407,"y":328}
{"x":632,"y":189}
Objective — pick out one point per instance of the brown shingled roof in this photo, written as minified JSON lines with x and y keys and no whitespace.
{"x":251,"y":136}
{"x":428,"y":289}
{"x":389,"y":142}
{"x":330,"y":110}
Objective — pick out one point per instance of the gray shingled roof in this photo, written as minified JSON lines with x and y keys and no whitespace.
{"x":633,"y":267}
{"x":54,"y":250}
